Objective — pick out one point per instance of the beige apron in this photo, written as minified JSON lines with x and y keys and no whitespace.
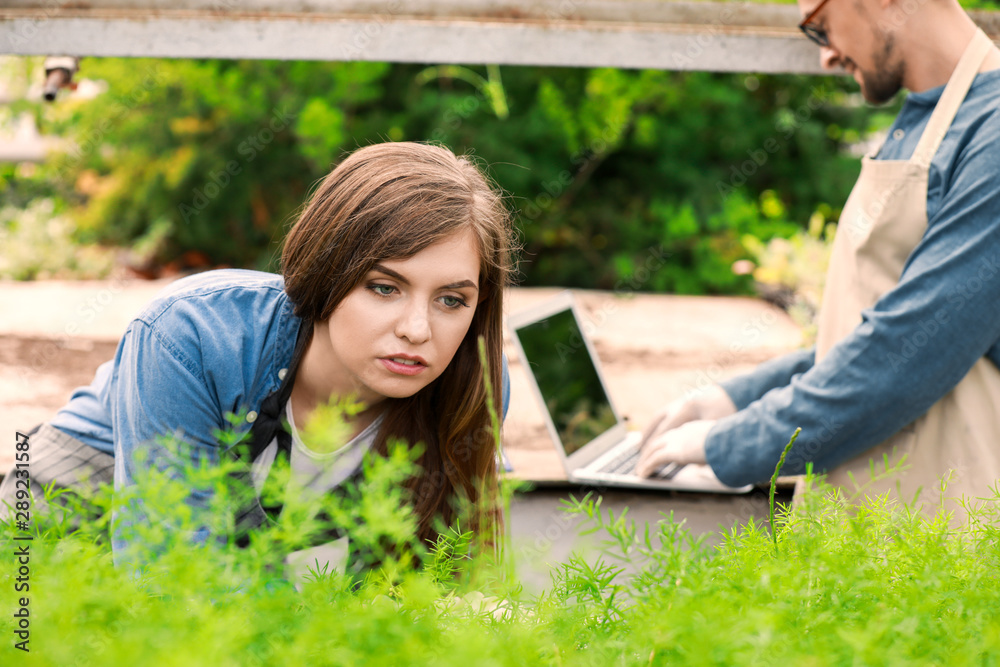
{"x":883,"y":221}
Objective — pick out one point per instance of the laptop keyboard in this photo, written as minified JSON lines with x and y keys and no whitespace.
{"x":623,"y":464}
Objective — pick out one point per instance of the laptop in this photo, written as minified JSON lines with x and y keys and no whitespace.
{"x":593,"y":442}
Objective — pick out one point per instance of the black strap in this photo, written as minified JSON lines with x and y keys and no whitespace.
{"x":269,"y":424}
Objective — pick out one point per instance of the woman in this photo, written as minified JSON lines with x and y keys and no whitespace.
{"x":393,"y":271}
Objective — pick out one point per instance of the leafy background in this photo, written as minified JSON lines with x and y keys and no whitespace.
{"x":602,"y":166}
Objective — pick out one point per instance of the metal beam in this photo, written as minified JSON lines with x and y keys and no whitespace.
{"x":707,"y":36}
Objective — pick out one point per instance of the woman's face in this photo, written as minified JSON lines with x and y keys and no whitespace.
{"x":398,"y":330}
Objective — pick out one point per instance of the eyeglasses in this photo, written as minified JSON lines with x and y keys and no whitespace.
{"x":817,"y":35}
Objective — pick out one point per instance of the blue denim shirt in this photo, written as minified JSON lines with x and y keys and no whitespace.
{"x":210,"y":344}
{"x":916,"y":343}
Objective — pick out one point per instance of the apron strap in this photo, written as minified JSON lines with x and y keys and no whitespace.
{"x":952,"y":98}
{"x":271,"y":414}
{"x":268,"y":426}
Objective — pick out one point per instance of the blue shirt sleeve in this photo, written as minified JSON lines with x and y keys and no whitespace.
{"x":745,"y":389}
{"x":157,"y":388}
{"x":911,"y":348}
{"x":506,"y":386}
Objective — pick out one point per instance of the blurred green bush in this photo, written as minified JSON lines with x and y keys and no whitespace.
{"x":607,"y":169}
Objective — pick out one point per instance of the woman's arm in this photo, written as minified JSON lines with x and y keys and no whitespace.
{"x":158,"y":393}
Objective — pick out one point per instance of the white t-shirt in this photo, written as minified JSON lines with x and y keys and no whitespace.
{"x":315,"y":474}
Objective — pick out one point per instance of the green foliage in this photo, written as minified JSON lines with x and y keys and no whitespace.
{"x":774,"y":484}
{"x":327,"y":430}
{"x":683,"y":164}
{"x":220,"y":152}
{"x":868,"y":583}
{"x":792,"y":270}
{"x":604,"y":167}
{"x":38,"y":243}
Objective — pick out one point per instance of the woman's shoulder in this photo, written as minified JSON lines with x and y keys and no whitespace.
{"x":212,"y":290}
{"x":223,"y":314}
{"x":234,"y":325}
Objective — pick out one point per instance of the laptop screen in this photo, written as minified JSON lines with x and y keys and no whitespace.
{"x":572,"y":391}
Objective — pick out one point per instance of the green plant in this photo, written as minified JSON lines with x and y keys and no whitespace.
{"x":38,"y":242}
{"x":792,"y":271}
{"x":603,"y":166}
{"x":869,"y":583}
{"x":774,"y":486}
{"x":849,"y":579}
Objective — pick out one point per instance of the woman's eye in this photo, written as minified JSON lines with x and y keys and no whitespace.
{"x":453,"y":301}
{"x":382,"y":290}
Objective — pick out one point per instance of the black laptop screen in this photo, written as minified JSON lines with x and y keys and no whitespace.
{"x":567,"y":379}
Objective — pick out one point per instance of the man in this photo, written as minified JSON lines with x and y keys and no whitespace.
{"x":908,"y":347}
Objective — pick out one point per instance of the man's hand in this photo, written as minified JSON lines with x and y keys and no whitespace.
{"x":714,"y":403}
{"x":664,"y":437}
{"x":684,"y":444}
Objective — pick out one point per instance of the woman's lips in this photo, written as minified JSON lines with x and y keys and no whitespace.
{"x":403,"y":365}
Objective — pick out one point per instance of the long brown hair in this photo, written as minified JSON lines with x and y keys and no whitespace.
{"x":390,"y":201}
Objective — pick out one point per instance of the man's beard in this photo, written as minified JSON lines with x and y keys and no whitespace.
{"x":882,"y":84}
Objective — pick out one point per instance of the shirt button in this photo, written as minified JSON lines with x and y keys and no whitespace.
{"x":282,"y":373}
{"x":251,"y":416}
{"x":898,"y":134}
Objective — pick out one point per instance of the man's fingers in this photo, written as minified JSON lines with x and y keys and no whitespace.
{"x":674,"y":414}
{"x":652,"y":430}
{"x":667,"y":419}
{"x":656,"y":455}
{"x":684,"y":444}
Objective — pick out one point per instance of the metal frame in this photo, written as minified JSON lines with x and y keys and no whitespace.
{"x":706,"y":36}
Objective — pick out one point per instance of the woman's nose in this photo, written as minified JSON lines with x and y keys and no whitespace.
{"x":414,"y":325}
